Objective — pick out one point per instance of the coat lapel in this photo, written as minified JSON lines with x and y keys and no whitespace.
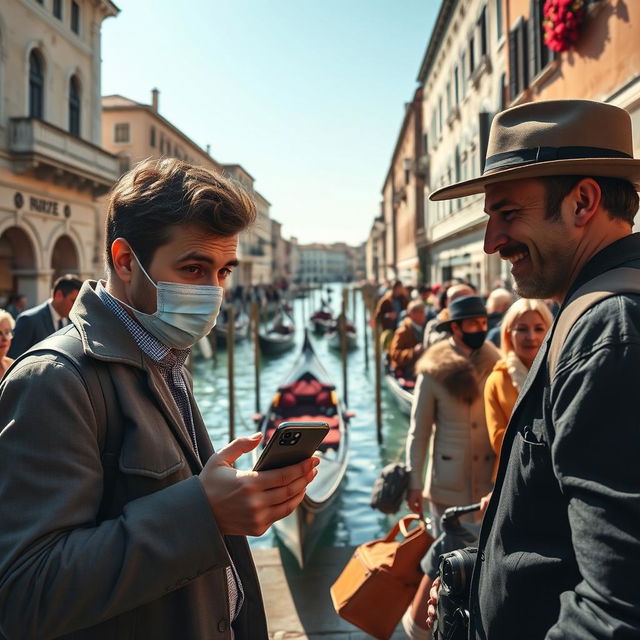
{"x":171,"y":413}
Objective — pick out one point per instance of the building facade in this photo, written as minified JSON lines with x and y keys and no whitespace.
{"x":52,"y":167}
{"x":254,"y":249}
{"x":319,"y":263}
{"x":463,"y":77}
{"x":604,"y":64}
{"x":374,"y":252}
{"x":403,"y":198}
{"x":133,"y":131}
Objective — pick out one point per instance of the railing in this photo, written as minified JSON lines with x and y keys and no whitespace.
{"x":33,"y":136}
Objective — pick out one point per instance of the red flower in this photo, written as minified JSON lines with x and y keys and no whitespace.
{"x":561,"y":23}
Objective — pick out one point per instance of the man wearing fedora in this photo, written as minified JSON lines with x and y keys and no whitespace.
{"x":559,"y":551}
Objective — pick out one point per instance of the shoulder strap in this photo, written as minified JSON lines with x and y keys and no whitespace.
{"x":610,"y":283}
{"x":97,"y":379}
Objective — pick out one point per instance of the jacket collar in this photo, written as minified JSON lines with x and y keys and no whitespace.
{"x":103,"y":336}
{"x":618,"y":253}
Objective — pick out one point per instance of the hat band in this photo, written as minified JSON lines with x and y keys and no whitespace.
{"x":548,"y":154}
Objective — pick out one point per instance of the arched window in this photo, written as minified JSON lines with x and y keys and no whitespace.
{"x":74,"y":106}
{"x":36,"y":85}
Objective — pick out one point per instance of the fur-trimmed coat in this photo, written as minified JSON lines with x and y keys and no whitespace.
{"x":448,"y":423}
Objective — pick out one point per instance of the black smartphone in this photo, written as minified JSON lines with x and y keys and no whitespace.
{"x":291,"y":443}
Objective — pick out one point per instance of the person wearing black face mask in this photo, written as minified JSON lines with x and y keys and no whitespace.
{"x":448,"y":406}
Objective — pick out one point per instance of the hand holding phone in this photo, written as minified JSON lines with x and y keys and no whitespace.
{"x":291,"y":443}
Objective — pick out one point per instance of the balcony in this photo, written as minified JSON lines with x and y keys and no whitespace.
{"x":44,"y":150}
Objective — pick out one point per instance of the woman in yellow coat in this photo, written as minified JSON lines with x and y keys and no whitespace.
{"x":523,"y":329}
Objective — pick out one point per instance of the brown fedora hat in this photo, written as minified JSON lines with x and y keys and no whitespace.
{"x":554,"y":138}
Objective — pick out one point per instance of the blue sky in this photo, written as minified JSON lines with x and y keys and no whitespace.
{"x":307,"y":96}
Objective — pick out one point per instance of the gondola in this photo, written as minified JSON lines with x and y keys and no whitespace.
{"x":241,"y":328}
{"x":401,"y":388}
{"x":279,"y":336}
{"x":308,"y":394}
{"x":333,"y":337}
{"x":322,"y":320}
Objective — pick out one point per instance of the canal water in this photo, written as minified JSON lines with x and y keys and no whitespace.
{"x":354,"y":521}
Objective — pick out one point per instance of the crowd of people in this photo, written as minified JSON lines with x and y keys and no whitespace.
{"x":465,"y":390}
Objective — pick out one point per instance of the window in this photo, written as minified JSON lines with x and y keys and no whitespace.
{"x":482,"y":27}
{"x":448,"y":94}
{"x":463,"y":71}
{"x":152,"y":136}
{"x":472,"y":54}
{"x":518,"y":67}
{"x":498,"y":5}
{"x":440,"y":115}
{"x":456,"y":85}
{"x":36,"y":85}
{"x":540,"y":55}
{"x":57,"y":9}
{"x":161,"y":144}
{"x":74,"y":106}
{"x":121,"y":132}
{"x":75,"y":17}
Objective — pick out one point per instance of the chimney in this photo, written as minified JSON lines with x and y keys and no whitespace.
{"x":154,"y":100}
{"x":208,"y":149}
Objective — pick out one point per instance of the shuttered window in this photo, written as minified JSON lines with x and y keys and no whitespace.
{"x":539,"y":54}
{"x":518,"y":60}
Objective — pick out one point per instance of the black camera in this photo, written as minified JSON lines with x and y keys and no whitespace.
{"x":456,"y":567}
{"x":455,"y":570}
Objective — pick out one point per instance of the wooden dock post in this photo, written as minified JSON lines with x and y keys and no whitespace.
{"x":255,"y":324}
{"x":378,"y":376}
{"x":342,"y":327}
{"x":231,"y":339}
{"x":365,"y":328}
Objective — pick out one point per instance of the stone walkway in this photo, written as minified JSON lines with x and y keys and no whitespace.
{"x":298,"y":602}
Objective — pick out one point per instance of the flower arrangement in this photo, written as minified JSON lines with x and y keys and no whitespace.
{"x":561,"y":23}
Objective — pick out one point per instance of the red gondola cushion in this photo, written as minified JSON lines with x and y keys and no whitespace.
{"x":323,"y":399}
{"x":307,"y":387}
{"x":287,"y":399}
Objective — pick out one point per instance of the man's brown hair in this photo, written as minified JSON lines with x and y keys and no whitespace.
{"x":158,"y":195}
{"x":619,"y":197}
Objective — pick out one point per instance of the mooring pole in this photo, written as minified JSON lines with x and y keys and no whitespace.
{"x":365,"y":327}
{"x":342,"y":326}
{"x":231,"y":338}
{"x":255,"y":323}
{"x":377,"y":364}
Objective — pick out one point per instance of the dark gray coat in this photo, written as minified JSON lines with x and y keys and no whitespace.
{"x":559,"y":551}
{"x":156,"y":570}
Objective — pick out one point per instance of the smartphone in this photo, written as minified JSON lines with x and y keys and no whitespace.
{"x":291,"y":443}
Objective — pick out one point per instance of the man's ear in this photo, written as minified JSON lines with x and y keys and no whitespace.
{"x":122,"y":258}
{"x":586,"y":199}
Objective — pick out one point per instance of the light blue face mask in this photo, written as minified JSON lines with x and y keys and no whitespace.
{"x":184,"y":312}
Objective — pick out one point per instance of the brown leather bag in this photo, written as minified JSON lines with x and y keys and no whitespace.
{"x":377,"y":585}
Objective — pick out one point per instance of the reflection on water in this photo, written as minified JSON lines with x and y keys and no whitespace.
{"x":354,"y":521}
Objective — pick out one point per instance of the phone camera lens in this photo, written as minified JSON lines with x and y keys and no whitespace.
{"x":287,"y":434}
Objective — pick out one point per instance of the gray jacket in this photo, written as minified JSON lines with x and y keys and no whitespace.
{"x":156,"y":569}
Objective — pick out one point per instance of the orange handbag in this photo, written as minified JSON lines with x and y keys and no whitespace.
{"x":377,"y":585}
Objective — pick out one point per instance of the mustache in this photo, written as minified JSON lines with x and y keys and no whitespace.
{"x":512,"y":250}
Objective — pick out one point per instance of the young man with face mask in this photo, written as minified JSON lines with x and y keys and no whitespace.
{"x":448,"y":407}
{"x":155,"y":549}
